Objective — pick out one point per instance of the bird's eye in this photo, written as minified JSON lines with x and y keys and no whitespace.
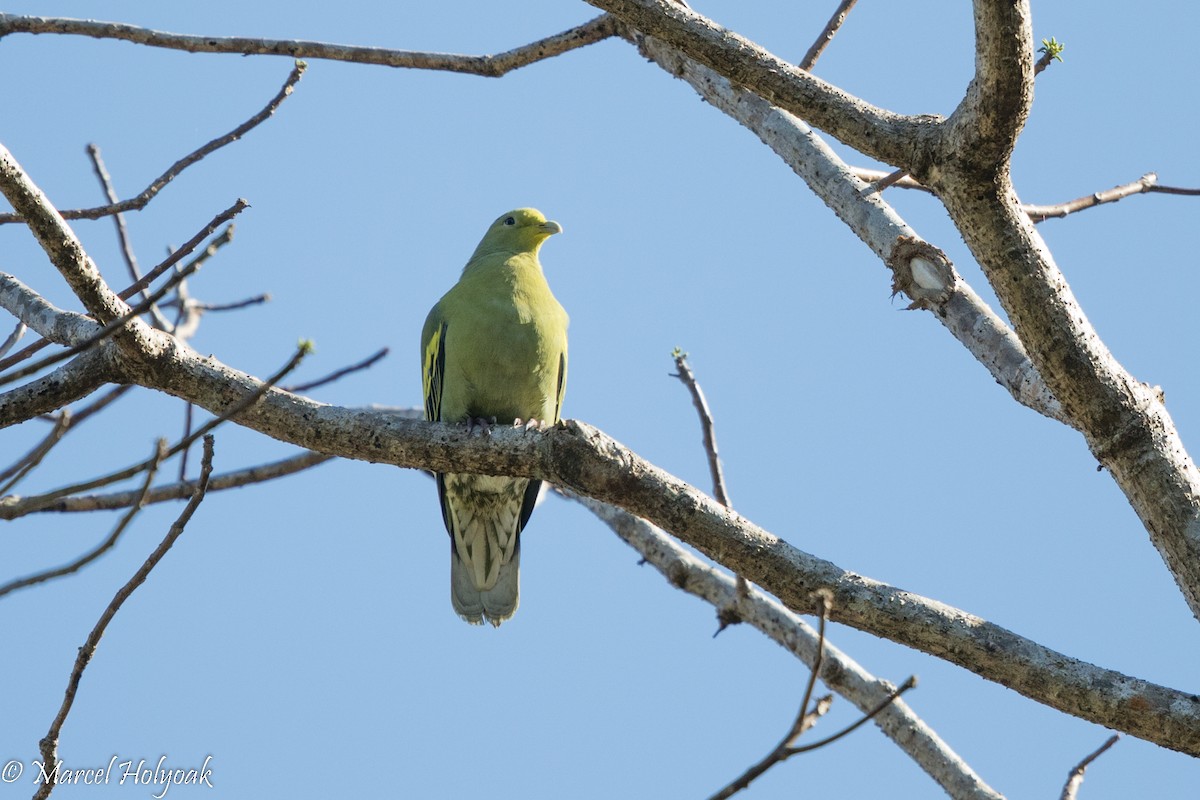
{"x":510,"y":221}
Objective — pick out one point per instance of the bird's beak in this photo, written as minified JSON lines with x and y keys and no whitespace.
{"x":551,"y":227}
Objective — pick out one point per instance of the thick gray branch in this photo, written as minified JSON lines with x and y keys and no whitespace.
{"x":879,"y":133}
{"x":61,"y":327}
{"x":840,"y":673}
{"x":586,"y":461}
{"x":983,"y":130}
{"x":951,"y":299}
{"x":77,"y":378}
{"x":1126,"y":425}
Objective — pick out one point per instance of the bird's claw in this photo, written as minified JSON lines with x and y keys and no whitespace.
{"x":530,"y":424}
{"x":484,"y":425}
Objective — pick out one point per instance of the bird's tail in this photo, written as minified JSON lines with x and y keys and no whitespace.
{"x":495,"y":604}
{"x":484,"y":515}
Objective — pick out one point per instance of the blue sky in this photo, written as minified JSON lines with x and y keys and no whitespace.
{"x":300,"y":632}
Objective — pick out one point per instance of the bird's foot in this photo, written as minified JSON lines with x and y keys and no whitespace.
{"x":484,"y":425}
{"x":531,"y":425}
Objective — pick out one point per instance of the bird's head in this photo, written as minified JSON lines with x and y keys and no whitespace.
{"x":519,"y":231}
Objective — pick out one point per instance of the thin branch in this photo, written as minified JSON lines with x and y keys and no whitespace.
{"x":49,"y":744}
{"x":1075,"y":777}
{"x":36,"y":503}
{"x":98,"y":405}
{"x":831,"y":29}
{"x":171,"y":260}
{"x":1147,"y":184}
{"x":147,"y":194}
{"x":119,"y":323}
{"x":131,"y":263}
{"x":688,"y":378}
{"x":492,"y":66}
{"x":103,"y":547}
{"x":12,"y":339}
{"x":910,"y":683}
{"x":187,"y":247}
{"x":174,"y":491}
{"x":24,"y":465}
{"x":891,"y":179}
{"x":805,"y":718}
{"x":333,"y":376}
{"x":236,"y":305}
{"x":188,"y":408}
{"x":110,"y":194}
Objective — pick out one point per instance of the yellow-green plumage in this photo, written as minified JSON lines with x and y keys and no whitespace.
{"x":494,"y":348}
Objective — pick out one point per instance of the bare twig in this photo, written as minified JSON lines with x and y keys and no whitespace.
{"x":187,"y":432}
{"x":149,"y":277}
{"x":173,"y":491}
{"x":12,"y":339}
{"x":103,"y":547}
{"x":24,"y":465}
{"x":805,"y":718}
{"x":28,"y":505}
{"x":890,"y":179}
{"x":110,"y":193}
{"x":1075,"y":777}
{"x":831,"y":29}
{"x":333,"y":376}
{"x":492,"y":66}
{"x":911,"y":683}
{"x":258,"y":299}
{"x":147,"y":194}
{"x":96,"y":406}
{"x":706,"y":424}
{"x":1147,"y":184}
{"x":118,"y":323}
{"x":49,"y":744}
{"x":191,"y":244}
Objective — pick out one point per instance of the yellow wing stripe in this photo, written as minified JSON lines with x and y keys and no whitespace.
{"x":434,"y":373}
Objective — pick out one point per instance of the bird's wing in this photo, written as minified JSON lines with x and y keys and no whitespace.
{"x":562,"y":385}
{"x":433,"y":374}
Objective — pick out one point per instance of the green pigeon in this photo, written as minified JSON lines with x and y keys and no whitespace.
{"x":494,"y":350}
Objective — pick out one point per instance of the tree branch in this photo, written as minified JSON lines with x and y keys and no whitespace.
{"x":951,"y":299}
{"x":10,"y":508}
{"x":141,"y":200}
{"x":90,"y":556}
{"x":583,"y":459}
{"x":706,"y":426}
{"x":839,"y":672}
{"x":77,"y":378}
{"x":1075,"y":778}
{"x":877,"y":132}
{"x":492,"y":66}
{"x":49,"y":743}
{"x":831,"y":28}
